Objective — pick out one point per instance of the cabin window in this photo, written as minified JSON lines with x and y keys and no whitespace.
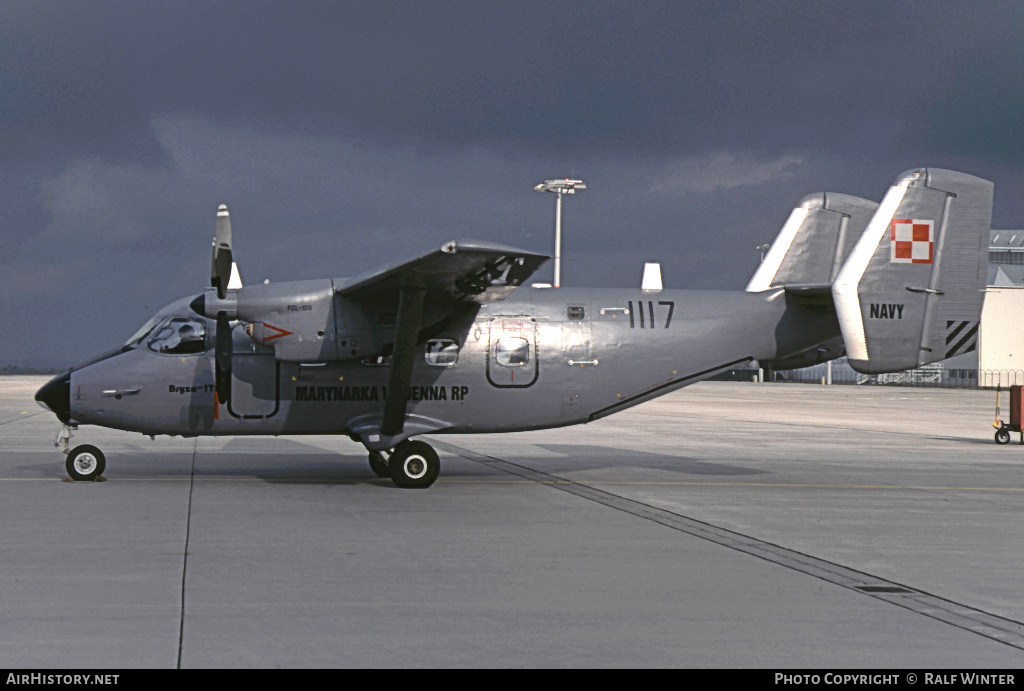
{"x":442,"y":352}
{"x":180,"y":336}
{"x":512,"y":351}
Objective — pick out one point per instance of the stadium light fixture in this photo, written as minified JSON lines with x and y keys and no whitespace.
{"x":559,"y":187}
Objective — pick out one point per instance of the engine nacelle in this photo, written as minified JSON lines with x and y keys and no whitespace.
{"x":305,"y":321}
{"x":296,"y":319}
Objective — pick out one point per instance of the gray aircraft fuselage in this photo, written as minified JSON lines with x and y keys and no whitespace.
{"x":452,"y":341}
{"x":541,"y":358}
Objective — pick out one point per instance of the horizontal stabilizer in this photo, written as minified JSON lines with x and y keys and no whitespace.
{"x":807,"y":289}
{"x":911,"y":291}
{"x":829,"y":350}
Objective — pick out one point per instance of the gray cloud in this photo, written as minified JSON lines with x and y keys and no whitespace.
{"x":346,"y":134}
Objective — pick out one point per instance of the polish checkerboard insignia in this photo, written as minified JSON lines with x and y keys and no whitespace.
{"x":912,"y":241}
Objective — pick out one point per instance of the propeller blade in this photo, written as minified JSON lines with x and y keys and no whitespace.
{"x":222,"y":357}
{"x":220,"y":262}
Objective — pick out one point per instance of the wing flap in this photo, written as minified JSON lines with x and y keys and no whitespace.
{"x":463,"y":270}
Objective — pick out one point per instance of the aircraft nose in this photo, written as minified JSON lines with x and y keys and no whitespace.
{"x":56,"y":395}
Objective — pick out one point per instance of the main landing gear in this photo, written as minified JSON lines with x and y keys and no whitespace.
{"x":412,"y":465}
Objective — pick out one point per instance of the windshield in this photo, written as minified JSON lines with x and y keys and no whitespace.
{"x":141,"y":333}
{"x":179,"y":336}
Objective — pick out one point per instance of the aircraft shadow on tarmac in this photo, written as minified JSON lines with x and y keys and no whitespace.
{"x":284,"y":461}
{"x":304,"y":469}
{"x":576,"y":457}
{"x":293,"y":462}
{"x":325,"y":469}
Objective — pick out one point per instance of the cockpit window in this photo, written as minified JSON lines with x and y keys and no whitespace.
{"x":143,"y":332}
{"x":179,"y":336}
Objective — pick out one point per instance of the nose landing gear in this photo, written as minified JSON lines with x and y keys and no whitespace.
{"x":85,"y":463}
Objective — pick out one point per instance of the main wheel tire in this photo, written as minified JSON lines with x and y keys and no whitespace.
{"x":1002,"y":436}
{"x":379,"y":465}
{"x":414,"y":465}
{"x":85,"y":463}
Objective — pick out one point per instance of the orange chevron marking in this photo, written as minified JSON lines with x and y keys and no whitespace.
{"x":280,"y":333}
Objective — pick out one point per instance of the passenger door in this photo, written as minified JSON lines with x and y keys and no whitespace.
{"x":512,"y":352}
{"x":255,"y":381}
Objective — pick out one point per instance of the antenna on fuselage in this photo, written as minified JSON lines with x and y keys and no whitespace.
{"x":652,"y":276}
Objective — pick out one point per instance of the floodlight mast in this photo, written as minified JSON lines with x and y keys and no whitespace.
{"x":559,"y":187}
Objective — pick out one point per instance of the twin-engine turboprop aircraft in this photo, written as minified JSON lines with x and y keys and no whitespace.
{"x":450,"y":341}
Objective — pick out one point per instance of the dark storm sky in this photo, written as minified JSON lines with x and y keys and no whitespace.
{"x":344,"y":135}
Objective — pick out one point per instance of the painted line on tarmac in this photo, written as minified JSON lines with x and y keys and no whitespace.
{"x":23,"y":416}
{"x":553,"y":481}
{"x":184,"y":562}
{"x":994,"y":627}
{"x":681,"y":483}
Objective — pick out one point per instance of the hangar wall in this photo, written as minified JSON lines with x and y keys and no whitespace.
{"x":1001,"y":335}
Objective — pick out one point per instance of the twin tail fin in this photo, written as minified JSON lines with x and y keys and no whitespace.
{"x":912,"y":289}
{"x":814,"y":243}
{"x":906,"y":277}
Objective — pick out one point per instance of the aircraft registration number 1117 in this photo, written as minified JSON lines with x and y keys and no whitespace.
{"x":665,"y":307}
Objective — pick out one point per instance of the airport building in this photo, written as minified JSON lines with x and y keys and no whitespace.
{"x":1001,"y":336}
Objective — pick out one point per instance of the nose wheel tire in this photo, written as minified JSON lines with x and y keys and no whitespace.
{"x":414,"y":465}
{"x":379,"y":465}
{"x":85,"y":463}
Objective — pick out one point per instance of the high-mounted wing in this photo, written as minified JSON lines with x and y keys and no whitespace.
{"x":461,"y":269}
